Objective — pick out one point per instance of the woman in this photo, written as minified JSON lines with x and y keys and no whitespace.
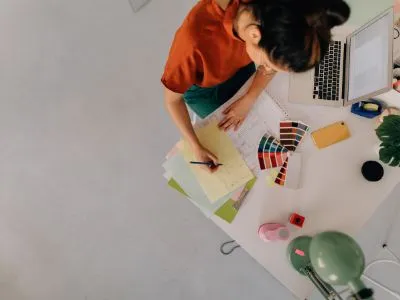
{"x":215,"y":51}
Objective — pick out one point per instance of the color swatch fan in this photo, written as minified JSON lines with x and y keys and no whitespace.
{"x":292,"y":133}
{"x":273,"y":154}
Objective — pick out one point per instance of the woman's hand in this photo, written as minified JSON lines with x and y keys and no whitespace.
{"x":236,"y":113}
{"x":204,"y":155}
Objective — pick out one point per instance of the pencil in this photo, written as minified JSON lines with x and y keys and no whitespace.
{"x":209,"y":163}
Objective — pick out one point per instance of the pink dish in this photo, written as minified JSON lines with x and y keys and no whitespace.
{"x":273,"y":232}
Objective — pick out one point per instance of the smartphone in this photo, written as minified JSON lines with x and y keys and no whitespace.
{"x":330,"y":134}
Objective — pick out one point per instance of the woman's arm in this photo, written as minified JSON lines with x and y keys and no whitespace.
{"x":237,"y":112}
{"x":180,"y":115}
{"x":262,"y":78}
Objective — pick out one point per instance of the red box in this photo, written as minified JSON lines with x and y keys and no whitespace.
{"x":297,"y":220}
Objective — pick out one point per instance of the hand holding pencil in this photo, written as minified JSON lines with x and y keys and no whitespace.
{"x":205,"y":159}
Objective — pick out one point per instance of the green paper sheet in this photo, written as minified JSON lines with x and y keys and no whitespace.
{"x":227,"y":212}
{"x":251,"y":183}
{"x":175,"y":185}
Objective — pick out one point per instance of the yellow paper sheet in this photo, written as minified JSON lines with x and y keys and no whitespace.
{"x":233,"y":174}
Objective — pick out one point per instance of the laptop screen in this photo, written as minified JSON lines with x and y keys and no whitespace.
{"x":370,"y":58}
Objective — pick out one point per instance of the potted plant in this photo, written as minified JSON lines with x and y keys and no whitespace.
{"x":389,"y":134}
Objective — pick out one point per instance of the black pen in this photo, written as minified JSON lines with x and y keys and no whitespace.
{"x":209,"y":163}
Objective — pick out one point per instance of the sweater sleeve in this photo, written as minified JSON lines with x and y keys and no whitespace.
{"x":183,"y":67}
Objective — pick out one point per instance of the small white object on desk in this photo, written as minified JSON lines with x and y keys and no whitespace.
{"x":293,"y":175}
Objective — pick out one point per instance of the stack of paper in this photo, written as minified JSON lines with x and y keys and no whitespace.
{"x":212,"y":193}
{"x":237,"y":151}
{"x":179,"y":171}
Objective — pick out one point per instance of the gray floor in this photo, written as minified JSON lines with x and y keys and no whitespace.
{"x":84,"y":211}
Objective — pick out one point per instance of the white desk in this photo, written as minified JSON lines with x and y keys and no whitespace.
{"x":334,"y":195}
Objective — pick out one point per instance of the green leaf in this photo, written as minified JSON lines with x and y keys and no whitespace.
{"x":389,"y":133}
{"x":389,"y":130}
{"x":390,"y":154}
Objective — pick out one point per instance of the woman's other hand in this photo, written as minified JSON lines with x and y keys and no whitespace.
{"x":236,"y":113}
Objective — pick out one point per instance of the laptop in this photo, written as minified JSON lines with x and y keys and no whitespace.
{"x":356,"y":67}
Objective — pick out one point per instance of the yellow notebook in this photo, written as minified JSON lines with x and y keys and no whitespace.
{"x":233,"y":174}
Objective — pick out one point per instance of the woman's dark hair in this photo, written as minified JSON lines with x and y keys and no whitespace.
{"x":297,"y":33}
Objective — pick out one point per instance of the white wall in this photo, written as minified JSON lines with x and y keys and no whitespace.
{"x":84,"y":211}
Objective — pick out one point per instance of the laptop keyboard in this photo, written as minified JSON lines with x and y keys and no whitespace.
{"x":327,"y":74}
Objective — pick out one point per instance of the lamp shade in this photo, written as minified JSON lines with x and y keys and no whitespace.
{"x":336,"y":257}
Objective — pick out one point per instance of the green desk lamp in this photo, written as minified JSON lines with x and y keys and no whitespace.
{"x":330,"y":258}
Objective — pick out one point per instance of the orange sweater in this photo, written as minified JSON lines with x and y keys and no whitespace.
{"x":205,"y":51}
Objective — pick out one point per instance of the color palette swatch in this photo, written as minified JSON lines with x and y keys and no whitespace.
{"x":281,"y":177}
{"x":271,"y":154}
{"x":292,"y":133}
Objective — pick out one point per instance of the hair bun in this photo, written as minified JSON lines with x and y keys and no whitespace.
{"x":337,"y":12}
